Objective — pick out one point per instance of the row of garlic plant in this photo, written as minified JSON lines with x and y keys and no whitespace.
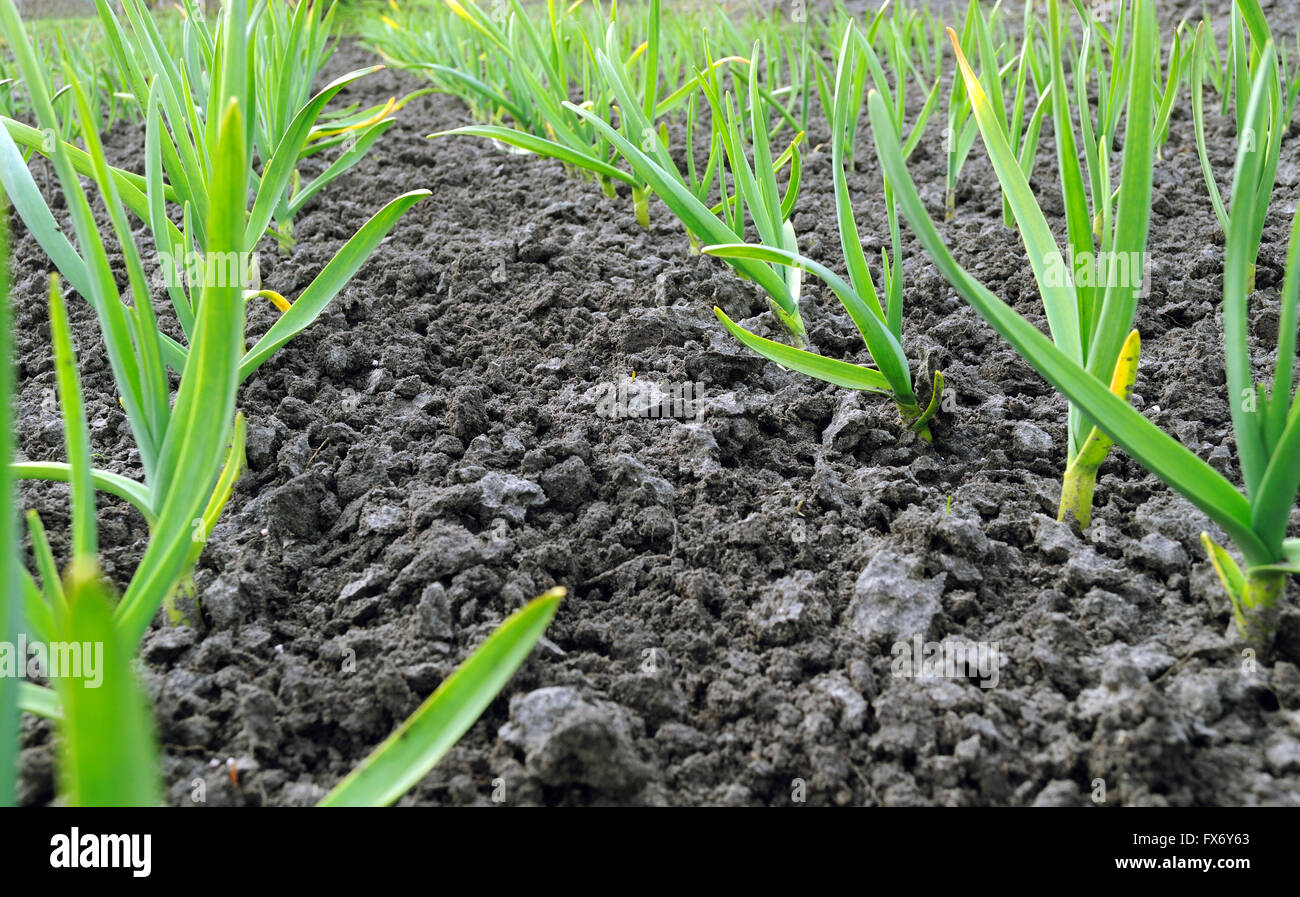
{"x":517,"y":70}
{"x":1091,"y":356}
{"x":209,"y":124}
{"x":1101,"y":81}
{"x":78,"y":43}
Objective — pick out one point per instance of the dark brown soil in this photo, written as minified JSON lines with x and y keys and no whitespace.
{"x":429,"y":456}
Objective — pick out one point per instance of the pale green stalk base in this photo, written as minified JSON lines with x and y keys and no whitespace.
{"x":1256,"y":609}
{"x":1080,"y":479}
{"x":1254,"y":594}
{"x":1077,"y":486}
{"x":1250,"y":279}
{"x":608,"y":186}
{"x":793,"y":323}
{"x":641,"y":203}
{"x":175,"y":615}
{"x":283,"y":233}
{"x":912,"y":415}
{"x":918,"y":418}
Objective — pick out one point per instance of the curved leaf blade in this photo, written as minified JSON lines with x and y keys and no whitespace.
{"x":839,"y":373}
{"x":332,"y":278}
{"x":420,"y":742}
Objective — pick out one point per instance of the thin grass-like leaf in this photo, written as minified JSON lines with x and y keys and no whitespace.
{"x":838,"y":373}
{"x":76,"y":433}
{"x":332,"y":278}
{"x":107,"y":754}
{"x":10,"y":605}
{"x":420,"y":742}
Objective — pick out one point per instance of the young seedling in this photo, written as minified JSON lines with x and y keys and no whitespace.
{"x":1242,"y":66}
{"x":1090,"y":292}
{"x":879,"y":324}
{"x":959,"y":135}
{"x":187,"y":155}
{"x":755,"y":187}
{"x":534,"y":77}
{"x":899,"y":36}
{"x":542,"y":124}
{"x":1178,"y":64}
{"x":1022,"y":134}
{"x":1266,"y":421}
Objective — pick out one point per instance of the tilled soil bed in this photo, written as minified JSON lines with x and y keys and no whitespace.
{"x":431,"y":454}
